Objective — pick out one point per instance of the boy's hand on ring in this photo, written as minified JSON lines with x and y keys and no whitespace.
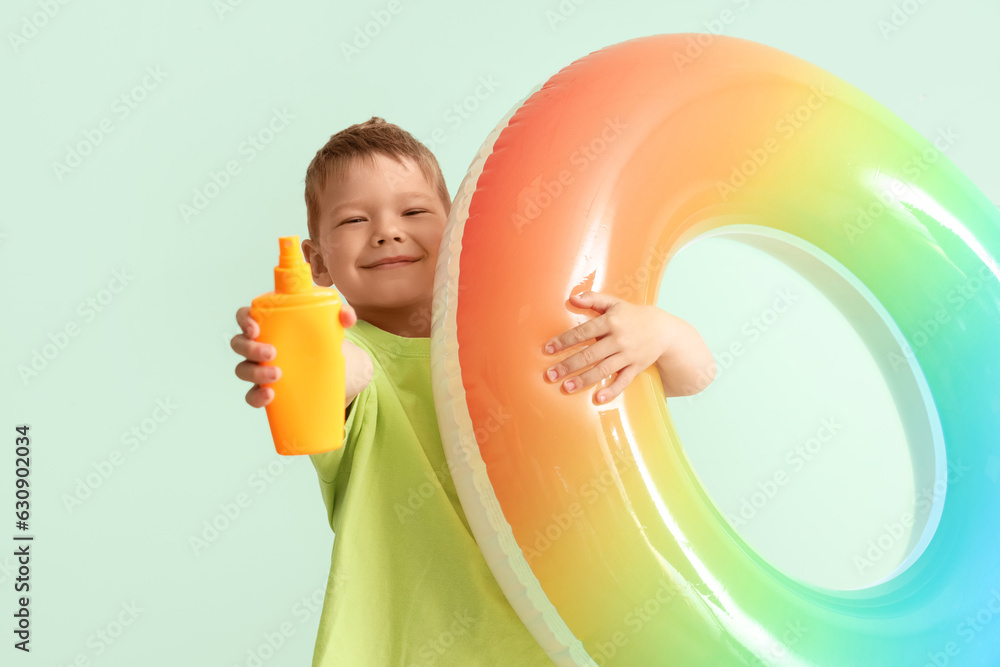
{"x":629,"y":339}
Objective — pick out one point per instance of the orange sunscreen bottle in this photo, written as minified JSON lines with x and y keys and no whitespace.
{"x":302,"y":321}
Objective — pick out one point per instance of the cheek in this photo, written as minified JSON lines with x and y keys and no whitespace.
{"x":432,"y":240}
{"x":432,"y":247}
{"x":340,"y":255}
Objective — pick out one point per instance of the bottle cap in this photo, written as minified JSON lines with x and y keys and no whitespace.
{"x":292,"y":275}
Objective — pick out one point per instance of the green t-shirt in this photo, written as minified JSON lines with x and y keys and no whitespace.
{"x":408,"y":585}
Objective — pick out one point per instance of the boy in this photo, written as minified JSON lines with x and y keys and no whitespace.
{"x":412,"y":588}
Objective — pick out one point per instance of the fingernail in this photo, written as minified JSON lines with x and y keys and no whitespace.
{"x":550,"y":348}
{"x":601,"y":397}
{"x":570,"y":386}
{"x":552,"y":374}
{"x":271,"y":353}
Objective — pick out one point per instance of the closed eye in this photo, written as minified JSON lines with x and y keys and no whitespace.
{"x":410,"y":212}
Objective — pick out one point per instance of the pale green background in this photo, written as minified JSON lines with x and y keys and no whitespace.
{"x":166,"y":336}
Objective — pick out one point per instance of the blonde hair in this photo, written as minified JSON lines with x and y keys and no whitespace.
{"x":362,"y":141}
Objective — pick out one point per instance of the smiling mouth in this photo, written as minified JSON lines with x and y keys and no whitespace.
{"x":393,"y":265}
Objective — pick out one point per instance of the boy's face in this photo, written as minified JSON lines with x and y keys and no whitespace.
{"x":373,"y":214}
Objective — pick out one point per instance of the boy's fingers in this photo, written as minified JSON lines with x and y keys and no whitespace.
{"x":625,"y":377}
{"x":243,"y":318}
{"x":252,"y":350}
{"x":252,"y":372}
{"x":239,"y":344}
{"x":244,"y":371}
{"x":247,"y":323}
{"x":348,"y":317}
{"x":258,"y":396}
{"x":603,"y":350}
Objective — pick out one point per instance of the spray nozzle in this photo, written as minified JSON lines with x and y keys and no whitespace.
{"x":292,"y":275}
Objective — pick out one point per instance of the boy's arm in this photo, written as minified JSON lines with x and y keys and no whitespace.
{"x":687,"y":366}
{"x":629,"y":339}
{"x":358,"y":370}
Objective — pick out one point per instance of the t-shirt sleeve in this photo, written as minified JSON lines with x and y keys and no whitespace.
{"x":352,"y":423}
{"x":334,"y":467}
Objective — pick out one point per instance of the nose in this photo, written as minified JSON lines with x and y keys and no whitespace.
{"x":387,"y":228}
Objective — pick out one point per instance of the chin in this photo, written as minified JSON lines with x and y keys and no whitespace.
{"x":397,"y":299}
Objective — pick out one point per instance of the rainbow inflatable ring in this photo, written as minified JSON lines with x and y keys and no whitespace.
{"x":590,"y":516}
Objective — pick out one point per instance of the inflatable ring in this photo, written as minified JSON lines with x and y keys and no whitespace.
{"x":590,"y":516}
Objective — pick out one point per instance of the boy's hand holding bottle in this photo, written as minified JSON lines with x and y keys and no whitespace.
{"x":305,"y":324}
{"x":251,"y":370}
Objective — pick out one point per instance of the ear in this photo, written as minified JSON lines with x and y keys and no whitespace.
{"x":321,"y":276}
